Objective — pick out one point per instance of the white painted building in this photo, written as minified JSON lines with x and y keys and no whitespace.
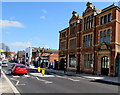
{"x":28,"y":54}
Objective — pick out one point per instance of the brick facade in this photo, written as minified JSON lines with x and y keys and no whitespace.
{"x":91,"y":42}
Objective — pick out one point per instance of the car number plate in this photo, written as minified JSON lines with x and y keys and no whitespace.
{"x":20,"y":69}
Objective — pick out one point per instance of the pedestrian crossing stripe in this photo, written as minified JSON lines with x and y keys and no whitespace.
{"x":40,"y":75}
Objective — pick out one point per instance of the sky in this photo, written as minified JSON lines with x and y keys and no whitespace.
{"x":37,"y":24}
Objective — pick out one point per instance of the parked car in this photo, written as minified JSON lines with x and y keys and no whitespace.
{"x":4,"y":63}
{"x":19,"y":69}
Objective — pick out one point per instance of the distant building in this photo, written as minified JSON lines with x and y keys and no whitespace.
{"x":41,"y":56}
{"x":91,"y":42}
{"x":28,"y":54}
{"x":4,"y":47}
{"x":21,"y":56}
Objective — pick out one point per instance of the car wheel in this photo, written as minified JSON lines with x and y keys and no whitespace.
{"x":25,"y":73}
{"x":12,"y":73}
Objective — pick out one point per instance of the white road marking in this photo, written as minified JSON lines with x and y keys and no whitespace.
{"x":45,"y":81}
{"x":67,"y":78}
{"x":17,"y":81}
{"x":21,"y":84}
{"x":40,"y":75}
{"x":16,"y":76}
{"x":26,"y":76}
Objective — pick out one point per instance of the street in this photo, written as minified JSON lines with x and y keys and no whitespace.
{"x":35,"y":82}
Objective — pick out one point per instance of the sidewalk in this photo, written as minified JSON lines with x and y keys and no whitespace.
{"x":100,"y":78}
{"x":6,"y":87}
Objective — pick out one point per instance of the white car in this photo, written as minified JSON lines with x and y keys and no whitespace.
{"x":4,"y":63}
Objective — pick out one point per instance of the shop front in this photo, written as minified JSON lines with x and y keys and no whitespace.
{"x":72,"y":60}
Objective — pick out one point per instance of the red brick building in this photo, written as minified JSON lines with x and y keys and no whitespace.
{"x":47,"y":56}
{"x":91,"y":43}
{"x":20,"y":56}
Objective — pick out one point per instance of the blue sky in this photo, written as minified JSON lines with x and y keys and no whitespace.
{"x":38,"y":23}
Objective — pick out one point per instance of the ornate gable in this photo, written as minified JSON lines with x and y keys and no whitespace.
{"x":104,"y":46}
{"x":89,"y":7}
{"x":74,"y":16}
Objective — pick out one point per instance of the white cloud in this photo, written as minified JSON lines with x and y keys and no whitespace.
{"x":7,"y":23}
{"x":21,"y":44}
{"x":42,"y":17}
{"x":44,"y":11}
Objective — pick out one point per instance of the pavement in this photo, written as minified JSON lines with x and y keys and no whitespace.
{"x":7,"y":87}
{"x":99,"y":78}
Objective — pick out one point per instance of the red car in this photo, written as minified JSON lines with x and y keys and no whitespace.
{"x":19,"y":69}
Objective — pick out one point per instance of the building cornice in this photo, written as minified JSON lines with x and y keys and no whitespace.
{"x":116,"y":43}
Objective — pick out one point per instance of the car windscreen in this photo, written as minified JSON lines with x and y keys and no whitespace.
{"x":20,"y":67}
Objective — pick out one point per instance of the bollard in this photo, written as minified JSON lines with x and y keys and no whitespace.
{"x":39,"y":69}
{"x":43,"y":71}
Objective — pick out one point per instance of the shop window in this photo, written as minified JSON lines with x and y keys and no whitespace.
{"x":72,"y":61}
{"x":88,"y":60}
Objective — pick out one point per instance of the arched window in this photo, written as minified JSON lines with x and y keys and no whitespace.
{"x":105,"y":62}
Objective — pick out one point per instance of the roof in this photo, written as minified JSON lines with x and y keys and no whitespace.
{"x":46,"y":50}
{"x":98,"y":10}
{"x":109,"y":7}
{"x":63,"y":29}
{"x":51,"y":51}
